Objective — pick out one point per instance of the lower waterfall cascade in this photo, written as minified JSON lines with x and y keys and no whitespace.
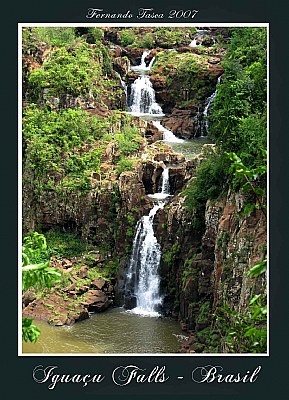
{"x":143,"y":280}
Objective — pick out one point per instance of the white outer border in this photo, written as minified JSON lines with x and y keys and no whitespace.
{"x":104,"y":24}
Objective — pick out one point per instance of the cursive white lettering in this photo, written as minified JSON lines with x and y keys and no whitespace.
{"x":43,"y":375}
{"x":123,"y":376}
{"x":211,"y":374}
{"x":146,"y":13}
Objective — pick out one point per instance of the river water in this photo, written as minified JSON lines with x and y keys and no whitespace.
{"x":115,"y":331}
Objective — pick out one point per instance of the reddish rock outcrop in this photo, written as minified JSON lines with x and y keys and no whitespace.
{"x":67,"y":305}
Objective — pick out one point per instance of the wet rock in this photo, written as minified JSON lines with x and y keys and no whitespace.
{"x":96,"y":300}
{"x":214,"y":60}
{"x":130,"y":302}
{"x":121,"y":65}
{"x":82,"y":289}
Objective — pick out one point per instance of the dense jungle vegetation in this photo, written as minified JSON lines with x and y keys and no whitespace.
{"x":64,"y":145}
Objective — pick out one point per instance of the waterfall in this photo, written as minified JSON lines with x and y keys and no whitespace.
{"x":168,"y":135}
{"x":123,"y":84}
{"x":209,"y":103}
{"x":142,"y":277}
{"x":199,"y":123}
{"x":142,"y":67}
{"x":199,"y":36}
{"x":165,"y":189}
{"x":142,"y":97}
{"x":142,"y":101}
{"x":194,"y":43}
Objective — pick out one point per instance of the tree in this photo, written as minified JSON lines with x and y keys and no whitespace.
{"x":35,"y":273}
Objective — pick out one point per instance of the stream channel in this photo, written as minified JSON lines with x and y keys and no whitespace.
{"x":141,"y":330}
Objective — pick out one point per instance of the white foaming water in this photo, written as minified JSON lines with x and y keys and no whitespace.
{"x":142,"y":101}
{"x":199,"y":36}
{"x":142,"y":67}
{"x":123,"y":84}
{"x":209,"y":103}
{"x":194,"y":43}
{"x":143,"y":97}
{"x":165,"y":182}
{"x":168,"y":136}
{"x":144,"y":263}
{"x":145,"y":259}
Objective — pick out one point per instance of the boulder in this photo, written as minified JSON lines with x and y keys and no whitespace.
{"x":83,"y":271}
{"x":28,"y":297}
{"x":96,"y":300}
{"x":98,"y":283}
{"x":56,"y":309}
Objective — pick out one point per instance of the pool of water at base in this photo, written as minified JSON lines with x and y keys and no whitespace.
{"x":111,"y":332}
{"x":190,"y":148}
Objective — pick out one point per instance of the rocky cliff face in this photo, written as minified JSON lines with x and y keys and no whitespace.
{"x":204,"y":268}
{"x":205,"y":254}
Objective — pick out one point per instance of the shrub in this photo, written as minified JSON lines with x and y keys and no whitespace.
{"x":125,"y":164}
{"x":74,"y":72}
{"x":148,"y":41}
{"x":55,"y":36}
{"x":68,"y":245}
{"x":127,"y":37}
{"x":209,"y":183}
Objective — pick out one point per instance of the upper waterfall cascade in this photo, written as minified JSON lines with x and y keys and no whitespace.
{"x":142,"y":97}
{"x":142,"y":101}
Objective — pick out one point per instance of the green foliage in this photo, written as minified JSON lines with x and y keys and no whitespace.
{"x":168,"y":38}
{"x":170,"y":254}
{"x":55,"y":36}
{"x":29,"y":41}
{"x":128,"y":141}
{"x":124,"y":164}
{"x":127,"y":37}
{"x":35,"y":263}
{"x":204,"y":313}
{"x":30,"y":332}
{"x":51,"y":139}
{"x":63,"y":148}
{"x":253,"y":179}
{"x":75,"y":71}
{"x":107,"y":68}
{"x":183,"y":71}
{"x":64,"y":244}
{"x":38,"y":275}
{"x":238,"y":116}
{"x":96,"y":33}
{"x":188,"y":271}
{"x":209,"y":183}
{"x":34,"y":249}
{"x":223,"y":240}
{"x":258,"y":269}
{"x":148,"y":41}
{"x":244,"y":332}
